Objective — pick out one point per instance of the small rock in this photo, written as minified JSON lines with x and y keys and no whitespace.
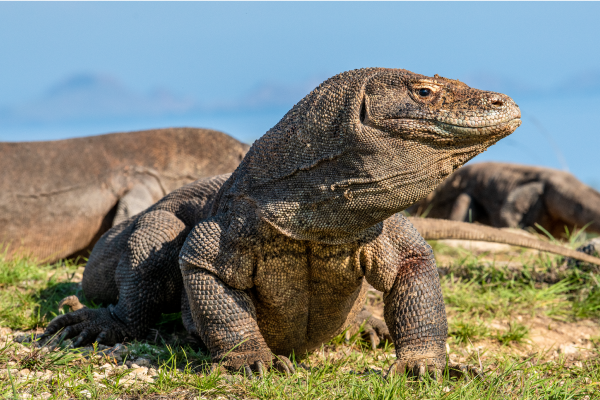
{"x":24,"y":372}
{"x":446,"y":389}
{"x":119,"y":348}
{"x":86,"y":393}
{"x":134,"y":365}
{"x":44,"y":395}
{"x":139,"y":371}
{"x":152,"y":372}
{"x":143,"y":362}
{"x":25,"y":396}
{"x":568,"y":349}
{"x":106,"y":366}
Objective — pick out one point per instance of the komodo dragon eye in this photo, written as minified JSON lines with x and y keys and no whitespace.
{"x":424,"y":92}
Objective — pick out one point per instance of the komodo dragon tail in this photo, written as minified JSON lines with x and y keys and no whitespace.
{"x":436,"y":229}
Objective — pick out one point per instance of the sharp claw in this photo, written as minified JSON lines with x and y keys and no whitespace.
{"x":290,"y":366}
{"x":465,"y":372}
{"x":261,"y":369}
{"x":248,"y":371}
{"x":101,"y":337}
{"x":64,"y":335}
{"x":78,"y":342}
{"x":396,"y":368}
{"x":374,"y":340}
{"x":213,"y":367}
{"x":283,"y":366}
{"x":422,"y":371}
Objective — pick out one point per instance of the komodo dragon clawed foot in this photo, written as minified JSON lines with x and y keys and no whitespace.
{"x":420,"y":367}
{"x":374,"y":330}
{"x":86,"y":326}
{"x":251,"y":363}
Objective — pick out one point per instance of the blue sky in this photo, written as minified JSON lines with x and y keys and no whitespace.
{"x":74,"y":69}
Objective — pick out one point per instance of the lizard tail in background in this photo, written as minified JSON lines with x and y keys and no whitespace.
{"x":436,"y":229}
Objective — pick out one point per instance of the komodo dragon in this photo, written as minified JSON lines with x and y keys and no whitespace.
{"x":57,"y":198}
{"x":512,"y":195}
{"x":275,"y":258}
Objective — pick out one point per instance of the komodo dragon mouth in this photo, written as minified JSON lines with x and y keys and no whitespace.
{"x":444,"y":129}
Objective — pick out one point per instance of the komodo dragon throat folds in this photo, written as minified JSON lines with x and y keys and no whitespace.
{"x":57,"y":198}
{"x":275,"y":258}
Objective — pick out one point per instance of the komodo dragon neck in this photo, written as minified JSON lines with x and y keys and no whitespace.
{"x":362,"y":146}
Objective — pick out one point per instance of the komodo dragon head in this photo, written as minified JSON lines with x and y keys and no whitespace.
{"x":364,"y":145}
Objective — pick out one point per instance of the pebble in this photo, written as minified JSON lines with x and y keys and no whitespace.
{"x":143,"y":362}
{"x":567,"y":349}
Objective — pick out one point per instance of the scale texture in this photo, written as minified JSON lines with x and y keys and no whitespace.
{"x":275,"y":259}
{"x":57,"y":198}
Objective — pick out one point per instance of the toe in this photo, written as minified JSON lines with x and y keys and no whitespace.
{"x":397,"y":368}
{"x":83,"y":338}
{"x":421,"y":370}
{"x":282,"y":366}
{"x":289,"y":364}
{"x":261,"y":369}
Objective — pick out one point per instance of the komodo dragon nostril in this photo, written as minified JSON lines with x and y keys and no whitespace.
{"x":495,"y":101}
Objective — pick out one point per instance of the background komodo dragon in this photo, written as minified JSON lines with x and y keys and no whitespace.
{"x":276,"y":258}
{"x":57,"y":198}
{"x":516,"y":196}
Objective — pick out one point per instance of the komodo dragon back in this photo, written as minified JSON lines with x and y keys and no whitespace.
{"x":57,"y":198}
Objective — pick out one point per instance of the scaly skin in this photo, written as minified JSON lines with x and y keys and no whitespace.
{"x":279,"y":263}
{"x":57,"y":198}
{"x":515,"y":196}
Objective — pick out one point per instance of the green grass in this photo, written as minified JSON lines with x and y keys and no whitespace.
{"x":30,"y":291}
{"x":478,"y":291}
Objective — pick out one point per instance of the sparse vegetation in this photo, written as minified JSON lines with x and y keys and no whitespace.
{"x":497,"y":306}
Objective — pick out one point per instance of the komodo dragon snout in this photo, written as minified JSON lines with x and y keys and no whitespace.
{"x":275,"y":258}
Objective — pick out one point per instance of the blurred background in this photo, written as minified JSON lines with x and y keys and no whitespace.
{"x":77,"y":69}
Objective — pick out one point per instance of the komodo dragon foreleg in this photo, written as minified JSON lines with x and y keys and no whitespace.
{"x":142,"y":261}
{"x":215,"y":279}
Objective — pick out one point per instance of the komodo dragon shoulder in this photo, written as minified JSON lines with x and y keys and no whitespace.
{"x":279,"y":258}
{"x":57,"y":198}
{"x":515,"y":196}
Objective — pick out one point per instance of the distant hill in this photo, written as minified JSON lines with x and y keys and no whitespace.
{"x":93,"y":96}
